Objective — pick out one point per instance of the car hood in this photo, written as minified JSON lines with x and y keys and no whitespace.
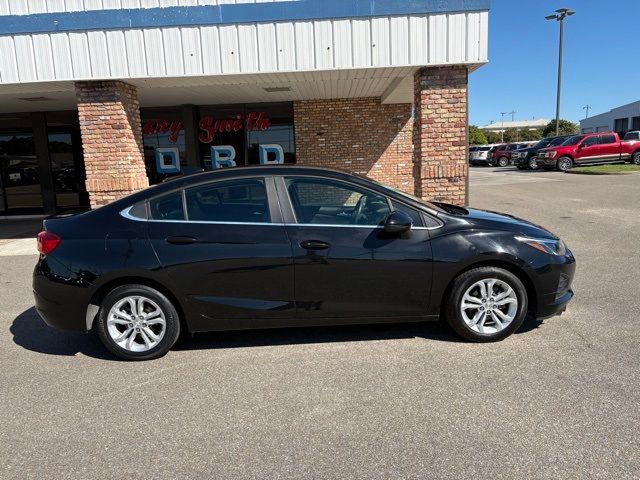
{"x":485,"y":219}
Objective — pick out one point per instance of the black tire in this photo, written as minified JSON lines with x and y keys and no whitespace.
{"x":172,"y":327}
{"x":452,"y":312}
{"x":503,"y":162}
{"x":564,"y":163}
{"x":635,"y":158}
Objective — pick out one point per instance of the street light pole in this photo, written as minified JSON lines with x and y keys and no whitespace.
{"x":560,"y":15}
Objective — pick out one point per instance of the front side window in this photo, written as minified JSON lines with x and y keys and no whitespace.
{"x":591,"y":141}
{"x":243,"y":201}
{"x":167,"y":207}
{"x":330,"y":202}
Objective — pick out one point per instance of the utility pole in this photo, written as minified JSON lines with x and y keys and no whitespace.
{"x":560,"y":15}
{"x":587,"y":107}
{"x":502,"y":126}
{"x":512,"y":113}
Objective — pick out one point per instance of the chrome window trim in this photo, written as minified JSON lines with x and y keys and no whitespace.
{"x":125,"y":213}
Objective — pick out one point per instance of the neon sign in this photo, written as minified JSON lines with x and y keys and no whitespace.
{"x":210,"y":126}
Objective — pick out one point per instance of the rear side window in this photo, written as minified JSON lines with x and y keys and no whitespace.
{"x":607,"y":139}
{"x":243,"y":201}
{"x":167,"y":207}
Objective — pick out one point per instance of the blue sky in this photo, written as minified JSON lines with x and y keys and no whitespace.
{"x":601,"y":60}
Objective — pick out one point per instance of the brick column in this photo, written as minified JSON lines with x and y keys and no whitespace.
{"x":440,"y":134}
{"x":111,"y":140}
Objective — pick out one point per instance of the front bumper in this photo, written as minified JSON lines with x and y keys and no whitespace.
{"x":546,"y":162}
{"x":559,"y":277}
{"x":521,"y":161}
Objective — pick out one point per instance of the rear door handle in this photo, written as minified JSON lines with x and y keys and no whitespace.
{"x":181,"y":240}
{"x":314,"y":245}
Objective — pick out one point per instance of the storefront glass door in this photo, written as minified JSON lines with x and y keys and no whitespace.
{"x":19,"y":183}
{"x":67,"y":169}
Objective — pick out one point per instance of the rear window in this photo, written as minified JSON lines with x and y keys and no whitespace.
{"x":167,"y":207}
{"x":607,"y":139}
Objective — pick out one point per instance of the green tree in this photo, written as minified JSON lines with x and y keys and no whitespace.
{"x":566,"y":128}
{"x":476,"y":136}
{"x":493,"y":137}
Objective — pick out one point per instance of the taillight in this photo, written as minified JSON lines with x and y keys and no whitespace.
{"x":47,"y":241}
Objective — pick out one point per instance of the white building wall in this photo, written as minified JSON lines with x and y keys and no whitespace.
{"x":26,"y":7}
{"x":392,"y":41}
{"x":606,"y":121}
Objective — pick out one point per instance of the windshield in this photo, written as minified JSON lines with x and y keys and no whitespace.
{"x":557,"y":141}
{"x":543,"y":143}
{"x":572,"y":140}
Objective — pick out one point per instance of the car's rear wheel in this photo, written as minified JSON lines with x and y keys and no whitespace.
{"x":137,"y":322}
{"x":636,"y":158}
{"x":564,"y":164}
{"x":486,"y":304}
{"x":503,"y":161}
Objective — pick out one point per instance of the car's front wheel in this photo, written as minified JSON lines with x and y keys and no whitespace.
{"x":137,"y":322}
{"x":486,"y":304}
{"x":533,"y":164}
{"x":564,"y":164}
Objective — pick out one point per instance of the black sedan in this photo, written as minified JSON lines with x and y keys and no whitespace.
{"x":284,"y":246}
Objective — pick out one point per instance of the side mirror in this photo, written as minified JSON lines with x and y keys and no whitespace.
{"x":397,"y":222}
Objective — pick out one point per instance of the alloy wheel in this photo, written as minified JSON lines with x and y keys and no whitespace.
{"x":136,"y":323}
{"x":533,"y":164}
{"x":636,"y":158}
{"x":564,"y":164}
{"x":489,"y":306}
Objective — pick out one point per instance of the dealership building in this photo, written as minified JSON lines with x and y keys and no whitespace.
{"x":619,"y":119}
{"x":100,"y":98}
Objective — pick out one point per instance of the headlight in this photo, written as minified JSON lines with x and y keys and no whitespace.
{"x":553,"y":154}
{"x":545,"y":245}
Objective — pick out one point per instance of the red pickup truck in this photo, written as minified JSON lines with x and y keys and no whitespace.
{"x":589,"y":149}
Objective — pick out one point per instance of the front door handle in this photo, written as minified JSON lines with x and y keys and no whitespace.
{"x":181,"y":240}
{"x":314,"y":245}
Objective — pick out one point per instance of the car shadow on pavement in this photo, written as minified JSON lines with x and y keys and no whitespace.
{"x":30,"y":332}
{"x":438,"y":331}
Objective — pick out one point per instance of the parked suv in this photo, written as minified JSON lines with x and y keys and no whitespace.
{"x":501,"y":156}
{"x":525,"y":158}
{"x":633,"y":135}
{"x":478,"y":155}
{"x":589,"y":149}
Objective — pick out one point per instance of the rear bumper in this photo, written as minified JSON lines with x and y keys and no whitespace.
{"x":61,"y":303}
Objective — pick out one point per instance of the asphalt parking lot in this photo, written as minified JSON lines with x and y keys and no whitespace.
{"x":559,"y":399}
